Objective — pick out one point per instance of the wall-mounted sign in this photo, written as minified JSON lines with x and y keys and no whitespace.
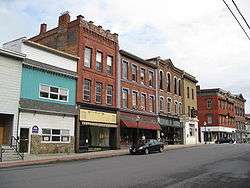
{"x":35,"y":129}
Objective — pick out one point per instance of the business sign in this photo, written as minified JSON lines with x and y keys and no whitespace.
{"x":35,"y":129}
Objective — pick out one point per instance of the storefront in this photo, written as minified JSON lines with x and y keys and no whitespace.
{"x":98,"y":130}
{"x":172,"y":130}
{"x":190,"y":130}
{"x":134,"y":127}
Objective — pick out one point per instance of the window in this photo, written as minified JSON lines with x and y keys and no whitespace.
{"x":209,"y":103}
{"x":209,"y":119}
{"x":54,"y":93}
{"x":161,"y":103}
{"x":142,"y":75}
{"x":150,"y":78}
{"x":124,"y":70}
{"x":110,"y":65}
{"x":86,"y":90}
{"x":189,"y":111}
{"x":143,"y":101}
{"x":179,"y":87}
{"x":169,"y":82}
{"x":175,"y":85}
{"x":169,"y":105}
{"x":109,"y":95}
{"x":98,"y":61}
{"x":134,"y":99}
{"x":125,"y":98}
{"x":87,"y":57}
{"x":180,"y":108}
{"x":188,"y":92}
{"x":191,"y":129}
{"x":151,"y":104}
{"x":176,"y":107}
{"x":192,"y":93}
{"x":55,"y":135}
{"x":98,"y":92}
{"x":134,"y":72}
{"x":161,"y":79}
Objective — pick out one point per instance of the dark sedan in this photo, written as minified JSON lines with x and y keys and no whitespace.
{"x":224,"y":141}
{"x":147,"y":147}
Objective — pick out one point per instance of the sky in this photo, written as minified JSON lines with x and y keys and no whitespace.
{"x":200,"y":36}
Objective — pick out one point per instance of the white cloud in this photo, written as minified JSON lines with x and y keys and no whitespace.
{"x":200,"y":36}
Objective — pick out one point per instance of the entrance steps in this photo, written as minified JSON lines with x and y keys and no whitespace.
{"x":9,"y":154}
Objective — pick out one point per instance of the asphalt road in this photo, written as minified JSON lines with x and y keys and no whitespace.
{"x":205,"y":166}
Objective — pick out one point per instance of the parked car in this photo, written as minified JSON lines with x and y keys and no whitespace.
{"x":224,"y":140}
{"x":146,"y":147}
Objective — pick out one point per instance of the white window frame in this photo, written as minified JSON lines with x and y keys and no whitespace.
{"x":90,"y":60}
{"x":89,"y":90}
{"x":153,"y":103}
{"x":169,"y":110}
{"x":126,"y":99}
{"x":99,"y":93}
{"x":161,"y":100}
{"x":111,"y":66}
{"x":136,"y":72}
{"x":109,"y":95}
{"x":97,"y":61}
{"x":136,"y":99}
{"x":58,"y":135}
{"x":145,"y":101}
{"x":59,"y":89}
{"x":151,"y":71}
{"x":127,"y":65}
{"x":144,"y":76}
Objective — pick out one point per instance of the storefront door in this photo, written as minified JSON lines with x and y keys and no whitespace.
{"x":24,"y":140}
{"x":2,"y":139}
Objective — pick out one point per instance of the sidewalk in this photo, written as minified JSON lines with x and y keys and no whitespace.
{"x":53,"y":158}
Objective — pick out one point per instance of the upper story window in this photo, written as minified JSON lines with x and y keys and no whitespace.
{"x":109,"y":95}
{"x":189,"y":111}
{"x":54,"y":93}
{"x":192,"y":93}
{"x":86,"y":90}
{"x":87,"y":57}
{"x":209,"y":103}
{"x":179,"y":87}
{"x":161,"y":79}
{"x":143,"y":101}
{"x":151,"y":104}
{"x":124,"y":69}
{"x":188,"y":94}
{"x":98,"y":92}
{"x":134,"y":72}
{"x":169,"y":82}
{"x":125,"y":98}
{"x":98,"y":61}
{"x":175,"y":85}
{"x":180,"y":108}
{"x":151,"y":78}
{"x":161,"y":103}
{"x":110,"y":65}
{"x":209,"y":119}
{"x":176,"y":107}
{"x":169,"y":105}
{"x":134,"y":99}
{"x":142,"y":75}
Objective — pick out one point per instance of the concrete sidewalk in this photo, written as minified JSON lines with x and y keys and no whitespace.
{"x":53,"y":158}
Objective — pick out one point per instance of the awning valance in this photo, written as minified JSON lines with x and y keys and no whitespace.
{"x":141,"y":125}
{"x":96,"y":124}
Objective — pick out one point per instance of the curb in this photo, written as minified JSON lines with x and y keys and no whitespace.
{"x":4,"y":165}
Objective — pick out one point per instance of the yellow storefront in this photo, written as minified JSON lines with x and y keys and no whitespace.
{"x":98,"y":130}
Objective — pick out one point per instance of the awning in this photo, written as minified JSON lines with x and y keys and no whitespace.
{"x":141,"y":125}
{"x":96,"y":124}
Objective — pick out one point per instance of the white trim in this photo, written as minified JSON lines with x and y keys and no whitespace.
{"x":217,"y":129}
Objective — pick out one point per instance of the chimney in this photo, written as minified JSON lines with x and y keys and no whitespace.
{"x":43,"y":28}
{"x":64,"y":20}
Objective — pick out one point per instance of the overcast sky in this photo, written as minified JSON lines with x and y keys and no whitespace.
{"x":200,"y":36}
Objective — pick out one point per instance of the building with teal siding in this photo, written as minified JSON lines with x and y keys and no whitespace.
{"x":47,"y":106}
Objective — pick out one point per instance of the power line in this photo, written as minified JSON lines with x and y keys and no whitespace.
{"x":241,"y":14}
{"x":236,"y":19}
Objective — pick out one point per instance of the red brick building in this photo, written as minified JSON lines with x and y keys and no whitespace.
{"x":216,"y":114}
{"x":97,"y":77}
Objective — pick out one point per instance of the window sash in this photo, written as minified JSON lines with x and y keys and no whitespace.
{"x":125,"y":70}
{"x":150,"y":79}
{"x":98,"y":92}
{"x":109,"y":95}
{"x":125,"y":98}
{"x":143,"y":101}
{"x":56,"y":135}
{"x":54,"y":93}
{"x":109,"y":65}
{"x":87,"y":57}
{"x":142,"y":75}
{"x":134,"y":99}
{"x":86,"y":91}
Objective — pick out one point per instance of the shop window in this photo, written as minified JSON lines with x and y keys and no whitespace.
{"x":55,"y":135}
{"x":110,"y":65}
{"x":169,"y":82}
{"x":124,"y":98}
{"x":86,"y":92}
{"x":134,"y":72}
{"x":109,"y":95}
{"x":150,"y":78}
{"x":161,"y":103}
{"x":54,"y":93}
{"x":98,"y":61}
{"x":169,"y":105}
{"x":124,"y":69}
{"x":143,"y":101}
{"x":87,"y":57}
{"x":142,"y":75}
{"x":98,"y":92}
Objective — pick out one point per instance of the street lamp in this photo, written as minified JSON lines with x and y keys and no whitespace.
{"x":137,"y":128}
{"x":205,"y":137}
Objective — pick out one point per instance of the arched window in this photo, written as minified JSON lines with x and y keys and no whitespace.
{"x":179,"y":87}
{"x":169,"y":82}
{"x":161,"y":103}
{"x":175,"y":85}
{"x":161,"y":79}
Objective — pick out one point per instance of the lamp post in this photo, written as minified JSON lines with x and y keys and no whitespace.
{"x":137,"y":128}
{"x":205,"y":126}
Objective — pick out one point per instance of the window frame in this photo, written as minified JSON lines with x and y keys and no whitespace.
{"x":49,"y":92}
{"x":127,"y":92}
{"x":151,"y":84}
{"x":136,"y":70}
{"x":89,"y":81}
{"x":109,"y":68}
{"x":109,"y":95}
{"x":51,"y":135}
{"x":97,"y":62}
{"x":127,"y":65}
{"x":161,"y":104}
{"x":99,"y":94}
{"x":90,"y":60}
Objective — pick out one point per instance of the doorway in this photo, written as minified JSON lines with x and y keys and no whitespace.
{"x":2,"y":137}
{"x":24,"y":140}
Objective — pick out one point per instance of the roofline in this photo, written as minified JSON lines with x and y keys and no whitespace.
{"x":190,"y":77}
{"x":12,"y":54}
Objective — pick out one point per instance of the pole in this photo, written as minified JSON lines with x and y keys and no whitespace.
{"x":137,"y":131}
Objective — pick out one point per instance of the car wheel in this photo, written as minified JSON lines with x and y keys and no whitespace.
{"x":146,"y":151}
{"x":161,"y":149}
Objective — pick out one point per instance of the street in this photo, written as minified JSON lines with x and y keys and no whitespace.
{"x":203,"y":166}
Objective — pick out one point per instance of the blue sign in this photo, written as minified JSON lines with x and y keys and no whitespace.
{"x":35,"y":129}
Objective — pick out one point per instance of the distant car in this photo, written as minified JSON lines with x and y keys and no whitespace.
{"x":147,"y":147}
{"x":224,"y":140}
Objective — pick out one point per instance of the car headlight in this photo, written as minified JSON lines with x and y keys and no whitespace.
{"x":140,"y":147}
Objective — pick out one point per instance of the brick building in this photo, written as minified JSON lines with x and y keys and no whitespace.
{"x":240,"y":120}
{"x":216,"y":114}
{"x":138,"y":107}
{"x":96,"y":85}
{"x":169,"y":99}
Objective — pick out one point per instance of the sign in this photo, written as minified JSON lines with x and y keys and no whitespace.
{"x":35,"y":129}
{"x":95,"y":116}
